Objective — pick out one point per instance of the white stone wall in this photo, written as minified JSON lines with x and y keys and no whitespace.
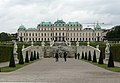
{"x":84,"y":49}
{"x":70,"y":33}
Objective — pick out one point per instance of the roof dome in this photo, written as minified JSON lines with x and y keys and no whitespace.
{"x":97,"y":27}
{"x":21,"y":27}
{"x":59,"y":22}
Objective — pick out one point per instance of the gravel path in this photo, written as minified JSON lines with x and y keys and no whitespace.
{"x":72,"y":71}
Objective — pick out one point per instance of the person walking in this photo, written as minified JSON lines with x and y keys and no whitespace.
{"x":78,"y":56}
{"x":75,"y":55}
{"x":65,"y":56}
{"x":56,"y":56}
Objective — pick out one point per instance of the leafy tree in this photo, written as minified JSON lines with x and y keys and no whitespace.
{"x":89,"y":56}
{"x":114,"y":34}
{"x":85,"y":55}
{"x":94,"y":57}
{"x":12,"y":61}
{"x":100,"y":58}
{"x":4,"y":37}
{"x":34,"y":55}
{"x":21,"y":60}
{"x":82,"y":55}
{"x":26,"y":58}
{"x":110,"y":61}
{"x":37,"y":55}
{"x":31,"y":57}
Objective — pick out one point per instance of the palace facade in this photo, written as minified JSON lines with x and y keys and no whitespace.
{"x":60,"y":31}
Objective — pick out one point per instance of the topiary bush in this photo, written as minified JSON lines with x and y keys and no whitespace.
{"x":94,"y":57}
{"x":110,"y":61}
{"x":26,"y":58}
{"x":37,"y":55}
{"x":34,"y":55}
{"x":21,"y":60}
{"x":89,"y":56}
{"x":12,"y":61}
{"x":100,"y":58}
{"x":31,"y":57}
{"x":82,"y":55}
{"x":85,"y":55}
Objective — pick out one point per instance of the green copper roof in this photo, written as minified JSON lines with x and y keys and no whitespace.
{"x":74,"y":24}
{"x":45,"y":24}
{"x":97,"y":27}
{"x":31,"y":29}
{"x":21,"y":27}
{"x":59,"y":22}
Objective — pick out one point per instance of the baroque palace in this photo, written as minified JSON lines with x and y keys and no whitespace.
{"x":60,"y":31}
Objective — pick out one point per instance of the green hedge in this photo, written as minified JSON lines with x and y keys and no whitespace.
{"x":5,"y":52}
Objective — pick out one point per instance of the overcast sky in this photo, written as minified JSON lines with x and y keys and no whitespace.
{"x":13,"y":13}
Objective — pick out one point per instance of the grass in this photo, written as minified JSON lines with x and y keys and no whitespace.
{"x":18,"y":66}
{"x":114,"y":69}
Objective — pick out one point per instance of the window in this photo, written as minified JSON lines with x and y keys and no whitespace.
{"x":42,"y":34}
{"x":74,"y":39}
{"x":77,"y":39}
{"x":36,"y":34}
{"x":33,"y":34}
{"x":74,"y":34}
{"x":80,"y":39}
{"x":63,"y":34}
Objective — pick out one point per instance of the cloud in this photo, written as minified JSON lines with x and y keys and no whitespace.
{"x":31,"y":12}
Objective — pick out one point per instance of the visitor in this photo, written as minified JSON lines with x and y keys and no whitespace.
{"x":65,"y":56}
{"x":56,"y":57}
{"x":78,"y":56}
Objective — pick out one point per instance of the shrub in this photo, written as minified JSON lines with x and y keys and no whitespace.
{"x":12,"y":61}
{"x":94,"y":57}
{"x":85,"y":55}
{"x":82,"y":55}
{"x":100,"y":58}
{"x":31,"y":57}
{"x":89,"y":56}
{"x":110,"y":61}
{"x":21,"y":61}
{"x":26,"y":58}
{"x":34,"y":55}
{"x":37,"y":55}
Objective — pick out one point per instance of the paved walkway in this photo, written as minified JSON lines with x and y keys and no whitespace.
{"x":72,"y":71}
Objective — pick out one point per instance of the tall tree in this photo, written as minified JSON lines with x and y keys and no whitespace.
{"x":12,"y":61}
{"x":94,"y":57}
{"x":89,"y":56}
{"x":21,"y":60}
{"x":110,"y":61}
{"x":101,"y":58}
{"x":26,"y":58}
{"x":114,"y":34}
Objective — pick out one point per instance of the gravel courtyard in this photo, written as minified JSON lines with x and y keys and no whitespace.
{"x":72,"y":71}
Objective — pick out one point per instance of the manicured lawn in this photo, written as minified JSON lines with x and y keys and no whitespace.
{"x":115,"y":69}
{"x":9,"y":69}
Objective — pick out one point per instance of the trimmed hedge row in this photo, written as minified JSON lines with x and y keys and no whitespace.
{"x":5,"y":53}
